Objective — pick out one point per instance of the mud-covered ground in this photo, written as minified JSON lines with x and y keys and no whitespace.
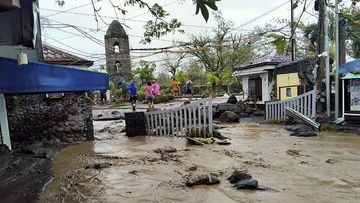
{"x":316,"y":169}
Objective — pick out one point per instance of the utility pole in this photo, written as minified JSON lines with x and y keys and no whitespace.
{"x":292,"y":31}
{"x":321,"y":60}
{"x":327,"y":60}
{"x":337,"y":59}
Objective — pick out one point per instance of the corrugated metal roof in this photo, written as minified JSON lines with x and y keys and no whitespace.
{"x":271,"y":58}
{"x":56,"y":56}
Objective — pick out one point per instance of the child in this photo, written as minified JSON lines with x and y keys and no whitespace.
{"x":133,"y":95}
{"x":149,"y":95}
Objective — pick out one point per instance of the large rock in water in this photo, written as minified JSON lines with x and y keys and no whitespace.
{"x":229,"y":117}
{"x":242,"y":180}
{"x":247,"y":184}
{"x":222,"y":107}
{"x":202,"y":180}
{"x":232,"y":100}
{"x":299,"y":128}
{"x":241,"y":105}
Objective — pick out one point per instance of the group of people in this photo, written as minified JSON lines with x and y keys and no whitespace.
{"x":152,"y":90}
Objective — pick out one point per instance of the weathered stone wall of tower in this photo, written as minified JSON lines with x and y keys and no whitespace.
{"x":118,"y":63}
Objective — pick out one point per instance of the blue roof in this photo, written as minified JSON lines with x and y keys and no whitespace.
{"x":44,"y":78}
{"x":352,"y":66}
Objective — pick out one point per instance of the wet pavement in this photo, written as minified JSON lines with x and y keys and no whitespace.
{"x":315,"y":169}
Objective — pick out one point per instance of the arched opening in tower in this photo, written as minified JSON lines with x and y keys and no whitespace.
{"x":117,"y":66}
{"x":116,"y":47}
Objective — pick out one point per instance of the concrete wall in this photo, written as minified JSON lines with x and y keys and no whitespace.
{"x":287,"y":81}
{"x":265,"y":87}
{"x":34,"y":118}
{"x":245,"y":85}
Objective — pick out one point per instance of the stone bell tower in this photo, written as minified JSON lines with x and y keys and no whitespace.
{"x":118,"y":63}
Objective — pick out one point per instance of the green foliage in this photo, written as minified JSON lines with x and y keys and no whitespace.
{"x":111,"y":86}
{"x":141,"y":96}
{"x":212,"y":79}
{"x":161,"y":99}
{"x":280,"y":42}
{"x":224,"y":50}
{"x":181,"y":77}
{"x":118,"y":93}
{"x":170,"y":96}
{"x":195,"y":72}
{"x":144,"y":71}
{"x":203,"y":4}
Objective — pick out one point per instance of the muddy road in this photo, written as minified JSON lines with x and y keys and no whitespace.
{"x":315,"y":169}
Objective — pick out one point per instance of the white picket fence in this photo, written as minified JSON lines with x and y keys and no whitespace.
{"x":194,"y":118}
{"x":305,"y":104}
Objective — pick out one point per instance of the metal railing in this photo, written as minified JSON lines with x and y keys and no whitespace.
{"x":194,"y":119}
{"x":304,"y":104}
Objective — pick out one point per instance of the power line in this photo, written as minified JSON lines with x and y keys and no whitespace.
{"x":262,"y":15}
{"x":126,"y":19}
{"x":81,"y":6}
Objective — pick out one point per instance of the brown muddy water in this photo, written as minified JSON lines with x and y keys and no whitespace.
{"x":318,"y":169}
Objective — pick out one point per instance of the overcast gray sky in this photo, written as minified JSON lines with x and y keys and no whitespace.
{"x":238,"y":11}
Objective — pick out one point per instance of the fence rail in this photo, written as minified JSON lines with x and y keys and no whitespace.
{"x":195,"y":118}
{"x":305,"y":104}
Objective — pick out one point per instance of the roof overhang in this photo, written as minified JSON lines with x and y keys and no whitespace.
{"x":255,"y":70}
{"x":349,"y":76}
{"x":46,"y":78}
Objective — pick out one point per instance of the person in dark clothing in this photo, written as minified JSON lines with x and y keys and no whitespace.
{"x":133,"y":95}
{"x":103,"y":97}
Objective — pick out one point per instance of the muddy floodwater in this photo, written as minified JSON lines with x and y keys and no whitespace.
{"x":317,"y":169}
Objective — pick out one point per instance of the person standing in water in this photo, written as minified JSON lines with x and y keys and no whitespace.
{"x":133,"y":95}
{"x":149,"y":95}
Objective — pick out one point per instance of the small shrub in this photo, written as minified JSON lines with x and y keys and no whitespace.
{"x":170,"y":96}
{"x":328,"y":127}
{"x":118,"y":93}
{"x":161,"y":99}
{"x":141,"y":96}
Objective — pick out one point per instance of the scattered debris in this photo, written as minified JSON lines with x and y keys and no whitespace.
{"x":201,"y":141}
{"x":237,"y":176}
{"x":133,"y":172}
{"x":304,"y":134}
{"x":304,"y":163}
{"x":218,"y":135}
{"x":330,"y":161}
{"x":202,"y":180}
{"x":99,"y":166}
{"x":247,"y":184}
{"x":166,"y":149}
{"x":223,"y":142}
{"x":293,"y":152}
{"x":192,"y":168}
{"x":242,"y":180}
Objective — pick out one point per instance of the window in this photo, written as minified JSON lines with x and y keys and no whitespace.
{"x":288,"y":92}
{"x":116,"y":47}
{"x":117,"y":66}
